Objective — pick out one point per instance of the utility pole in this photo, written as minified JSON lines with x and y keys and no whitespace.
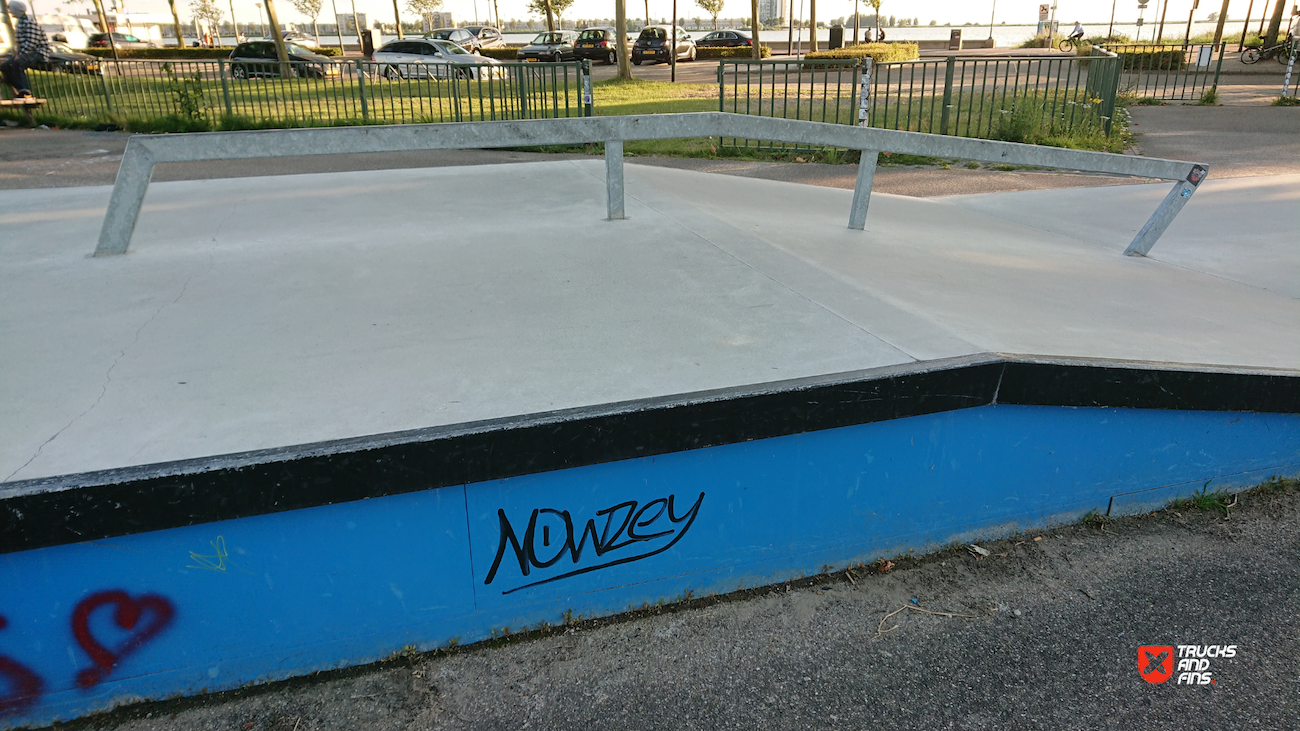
{"x":789,"y":24}
{"x":1223,"y":18}
{"x":1245,"y":27}
{"x":812,"y":25}
{"x":285,"y":71}
{"x":1161,"y":35}
{"x":338,"y":27}
{"x":1111,"y":30}
{"x":1188,"y":35}
{"x":672,"y":44}
{"x":620,"y":25}
{"x":994,"y":14}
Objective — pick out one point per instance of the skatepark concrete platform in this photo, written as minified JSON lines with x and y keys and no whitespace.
{"x":348,"y":391}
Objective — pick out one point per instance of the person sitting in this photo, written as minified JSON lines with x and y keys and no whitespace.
{"x":33,"y":50}
{"x":1077,"y":33}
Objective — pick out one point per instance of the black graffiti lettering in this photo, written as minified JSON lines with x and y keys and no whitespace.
{"x":529,"y":543}
{"x":601,"y":542}
{"x":508,"y":536}
{"x":637,"y":522}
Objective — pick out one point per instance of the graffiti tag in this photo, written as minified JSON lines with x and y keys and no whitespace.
{"x":24,"y":685}
{"x":628,"y":525}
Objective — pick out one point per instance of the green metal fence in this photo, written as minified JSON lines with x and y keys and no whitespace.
{"x":325,"y":93}
{"x":986,"y":97}
{"x":1170,"y":72}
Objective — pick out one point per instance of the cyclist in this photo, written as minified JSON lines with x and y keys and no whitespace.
{"x":1077,"y":33}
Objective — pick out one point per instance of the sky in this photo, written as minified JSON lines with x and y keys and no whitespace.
{"x":1090,"y":12}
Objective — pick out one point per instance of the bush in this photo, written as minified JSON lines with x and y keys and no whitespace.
{"x":878,"y":52}
{"x":714,"y":53}
{"x":1163,"y":58}
{"x":500,"y":53}
{"x":1038,"y":41}
{"x":183,"y":53}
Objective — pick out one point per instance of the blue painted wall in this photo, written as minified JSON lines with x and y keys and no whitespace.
{"x":223,"y":604}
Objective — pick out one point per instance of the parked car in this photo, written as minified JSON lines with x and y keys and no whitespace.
{"x":459,"y":36}
{"x":121,"y":40}
{"x":549,"y":46}
{"x":258,"y":58}
{"x":64,"y":59}
{"x":421,"y":58}
{"x":598,"y":44}
{"x":653,"y":45}
{"x":726,"y":39}
{"x":302,"y":39}
{"x":488,"y":37}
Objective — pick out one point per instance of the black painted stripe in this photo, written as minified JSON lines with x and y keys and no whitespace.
{"x":96,"y":505}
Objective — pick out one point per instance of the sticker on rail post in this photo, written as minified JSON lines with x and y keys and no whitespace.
{"x":864,"y":99}
{"x":1197,"y":174}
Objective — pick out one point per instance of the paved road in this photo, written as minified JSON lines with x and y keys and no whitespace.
{"x":1047,"y":638}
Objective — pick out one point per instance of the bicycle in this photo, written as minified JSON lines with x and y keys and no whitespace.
{"x":1070,"y":44}
{"x":1282,"y":52}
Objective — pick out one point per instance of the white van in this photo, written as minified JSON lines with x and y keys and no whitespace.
{"x":67,"y":29}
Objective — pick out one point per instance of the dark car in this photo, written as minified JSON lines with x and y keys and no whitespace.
{"x":63,"y":59}
{"x":460,"y":36}
{"x":488,"y":37}
{"x":258,"y":58}
{"x":726,"y":39}
{"x":653,"y":45}
{"x":597,"y":44}
{"x":549,"y":46}
{"x":121,"y":40}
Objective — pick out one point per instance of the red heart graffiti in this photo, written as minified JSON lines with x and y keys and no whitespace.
{"x":26,"y":684}
{"x":126,"y":615}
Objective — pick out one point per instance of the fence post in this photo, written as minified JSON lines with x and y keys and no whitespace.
{"x":103,"y":82}
{"x":614,"y":179}
{"x":225,"y":89}
{"x":586,"y":88}
{"x":1223,"y":48}
{"x":864,"y":92}
{"x":721,"y":89}
{"x":947,"y":95}
{"x":523,"y":73}
{"x":361,"y":88}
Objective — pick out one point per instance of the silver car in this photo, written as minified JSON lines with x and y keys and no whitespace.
{"x":424,"y":58}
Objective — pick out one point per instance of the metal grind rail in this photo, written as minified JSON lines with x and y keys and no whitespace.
{"x":145,"y":151}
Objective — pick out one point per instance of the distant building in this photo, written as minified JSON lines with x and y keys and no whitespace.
{"x":769,"y":10}
{"x":345,"y":22}
{"x":440,"y":19}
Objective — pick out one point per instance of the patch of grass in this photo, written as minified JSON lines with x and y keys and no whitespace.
{"x":1210,"y":98}
{"x":639,"y":96}
{"x":898,"y":158}
{"x":1205,"y":500}
{"x":972,"y":165}
{"x":1146,"y":101}
{"x":1287,"y":101}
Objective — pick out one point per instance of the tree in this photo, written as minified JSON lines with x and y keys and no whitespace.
{"x":180,"y":35}
{"x":309,"y":8}
{"x":208,"y":12}
{"x":422,"y":8}
{"x":875,"y":5}
{"x":712,"y":7}
{"x":543,"y":7}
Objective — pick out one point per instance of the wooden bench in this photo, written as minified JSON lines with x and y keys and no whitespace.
{"x":27,"y":105}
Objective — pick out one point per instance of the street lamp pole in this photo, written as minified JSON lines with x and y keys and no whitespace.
{"x":992,"y":15}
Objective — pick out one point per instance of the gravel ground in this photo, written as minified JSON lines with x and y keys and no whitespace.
{"x":1044,"y":633}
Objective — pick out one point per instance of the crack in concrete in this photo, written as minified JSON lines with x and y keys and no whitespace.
{"x":108,"y":379}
